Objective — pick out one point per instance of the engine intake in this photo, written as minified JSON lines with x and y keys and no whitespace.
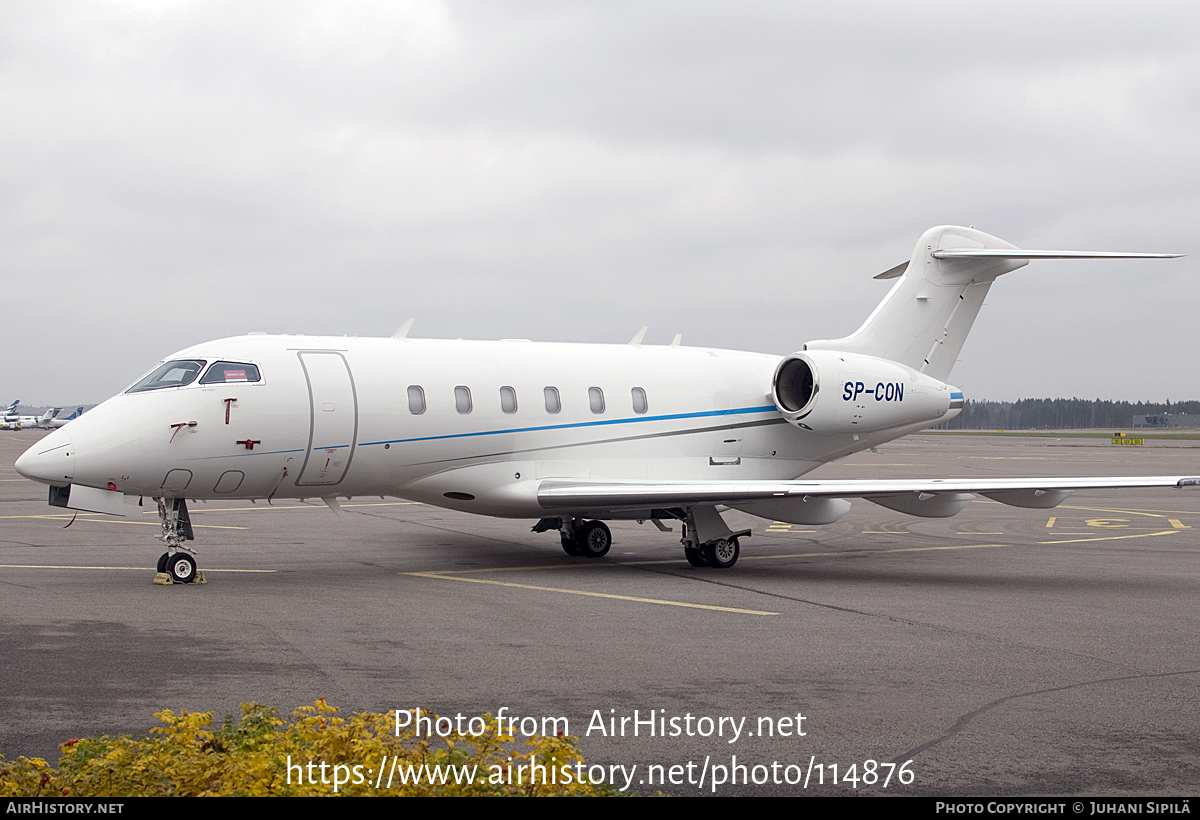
{"x":795,"y":385}
{"x":831,"y":392}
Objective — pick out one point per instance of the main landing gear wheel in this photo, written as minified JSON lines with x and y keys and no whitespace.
{"x":182,"y":568}
{"x":695,"y":557}
{"x":593,"y":539}
{"x":568,"y":545}
{"x":722,"y":553}
{"x":162,"y":561}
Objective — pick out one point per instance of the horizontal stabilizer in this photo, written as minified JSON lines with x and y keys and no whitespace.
{"x":994,"y":253}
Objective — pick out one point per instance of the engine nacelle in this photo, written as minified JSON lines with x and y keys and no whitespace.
{"x":831,"y":392}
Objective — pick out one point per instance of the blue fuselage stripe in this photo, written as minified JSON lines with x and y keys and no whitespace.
{"x":706,"y":414}
{"x":737,"y":411}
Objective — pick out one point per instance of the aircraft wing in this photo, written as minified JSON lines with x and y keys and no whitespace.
{"x":573,"y":494}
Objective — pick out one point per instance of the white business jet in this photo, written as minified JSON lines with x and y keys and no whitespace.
{"x":569,"y":435}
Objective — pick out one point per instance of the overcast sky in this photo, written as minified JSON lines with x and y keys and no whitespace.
{"x":172,"y":172}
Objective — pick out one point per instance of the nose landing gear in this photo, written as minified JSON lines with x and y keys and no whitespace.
{"x":178,"y":564}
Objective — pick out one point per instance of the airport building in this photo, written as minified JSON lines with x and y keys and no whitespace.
{"x":1168,"y":420}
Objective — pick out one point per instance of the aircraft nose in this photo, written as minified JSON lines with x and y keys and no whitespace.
{"x":50,"y":461}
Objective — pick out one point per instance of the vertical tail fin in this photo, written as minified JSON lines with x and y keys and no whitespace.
{"x":926,"y":316}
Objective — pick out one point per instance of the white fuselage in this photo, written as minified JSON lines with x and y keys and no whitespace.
{"x":334,"y":417}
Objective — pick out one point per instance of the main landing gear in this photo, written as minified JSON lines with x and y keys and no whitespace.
{"x":178,"y":564}
{"x":587,"y":539}
{"x":720,"y":553}
{"x":591,"y":539}
{"x":707,"y":540}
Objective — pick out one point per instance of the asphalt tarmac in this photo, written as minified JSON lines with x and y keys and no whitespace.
{"x":1003,"y":652}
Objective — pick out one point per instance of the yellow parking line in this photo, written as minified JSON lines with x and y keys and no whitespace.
{"x":1112,"y":537}
{"x":1104,"y":509}
{"x":156,"y":524}
{"x":139,"y":569}
{"x":632,"y":598}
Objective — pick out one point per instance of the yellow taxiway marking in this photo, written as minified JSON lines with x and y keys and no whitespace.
{"x":936,"y":549}
{"x":156,"y":524}
{"x":783,"y":526}
{"x":449,"y":573}
{"x":875,"y":464}
{"x":635,"y":599}
{"x":100,"y":518}
{"x":1112,"y":537}
{"x":139,"y":569}
{"x":108,"y":519}
{"x":1120,"y":522}
{"x":1158,"y":514}
{"x":83,"y":516}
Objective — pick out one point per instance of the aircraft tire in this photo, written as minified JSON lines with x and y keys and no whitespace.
{"x":722,"y":553}
{"x":695,"y":556}
{"x":568,"y":545}
{"x":593,"y":539}
{"x":182,"y":568}
{"x":162,"y":561}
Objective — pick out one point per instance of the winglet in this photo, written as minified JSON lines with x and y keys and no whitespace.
{"x":636,"y":341}
{"x":402,"y":333}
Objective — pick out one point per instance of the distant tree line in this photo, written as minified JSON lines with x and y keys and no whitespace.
{"x":1058,"y":414}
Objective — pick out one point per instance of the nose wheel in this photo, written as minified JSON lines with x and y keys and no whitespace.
{"x":182,"y":568}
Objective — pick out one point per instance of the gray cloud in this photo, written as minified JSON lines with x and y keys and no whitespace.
{"x":176,"y":172}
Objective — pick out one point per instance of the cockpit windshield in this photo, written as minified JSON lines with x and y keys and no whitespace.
{"x":171,"y":374}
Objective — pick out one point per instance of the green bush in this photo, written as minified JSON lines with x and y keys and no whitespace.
{"x":264,"y":755}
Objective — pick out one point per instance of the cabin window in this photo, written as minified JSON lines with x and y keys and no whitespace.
{"x":170,"y":374}
{"x":416,"y":399}
{"x":230,"y":373}
{"x":639,"y":400}
{"x":462,"y":399}
{"x":553,"y":402}
{"x":596,"y":399}
{"x":508,"y":399}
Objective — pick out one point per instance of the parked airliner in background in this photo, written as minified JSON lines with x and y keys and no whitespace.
{"x":568,"y":435}
{"x":55,"y":422}
{"x":12,"y":421}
